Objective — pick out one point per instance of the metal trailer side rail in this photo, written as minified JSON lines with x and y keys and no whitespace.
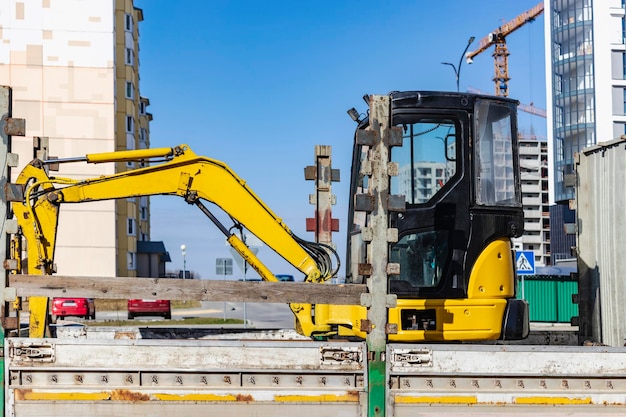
{"x":95,"y":377}
{"x":490,"y":380}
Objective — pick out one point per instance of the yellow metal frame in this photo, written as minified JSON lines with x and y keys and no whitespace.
{"x":182,"y":174}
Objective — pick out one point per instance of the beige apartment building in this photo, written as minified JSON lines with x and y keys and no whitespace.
{"x":73,"y":66}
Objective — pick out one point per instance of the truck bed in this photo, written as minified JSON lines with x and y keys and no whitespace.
{"x":131,"y":371}
{"x":124,"y":375}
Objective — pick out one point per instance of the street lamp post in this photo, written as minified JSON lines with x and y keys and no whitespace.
{"x":457,"y":70}
{"x":183,"y":250}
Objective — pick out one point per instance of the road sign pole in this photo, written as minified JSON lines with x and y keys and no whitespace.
{"x":525,"y":265}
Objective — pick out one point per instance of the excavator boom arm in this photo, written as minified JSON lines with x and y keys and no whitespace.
{"x":181,"y":173}
{"x":186,"y":175}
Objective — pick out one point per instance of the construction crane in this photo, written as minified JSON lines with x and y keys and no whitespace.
{"x":527,"y":108}
{"x":501,"y":52}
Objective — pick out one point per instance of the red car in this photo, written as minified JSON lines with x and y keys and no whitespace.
{"x":139,"y":307}
{"x":75,"y":307}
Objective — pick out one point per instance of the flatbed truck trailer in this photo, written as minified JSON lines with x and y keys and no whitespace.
{"x":116,"y":372}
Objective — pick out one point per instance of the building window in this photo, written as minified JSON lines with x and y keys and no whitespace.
{"x":128,"y":22}
{"x":130,"y":124}
{"x":143,"y":134}
{"x":558,"y":116}
{"x":142,"y":108}
{"x":558,"y":84}
{"x":143,"y":203}
{"x":130,"y":56}
{"x":131,"y":227}
{"x":130,"y":90}
{"x":130,"y":142}
{"x":130,"y":256}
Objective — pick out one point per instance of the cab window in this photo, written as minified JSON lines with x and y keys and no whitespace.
{"x":426,"y":160}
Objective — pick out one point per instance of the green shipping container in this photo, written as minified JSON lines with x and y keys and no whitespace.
{"x":549,"y":297}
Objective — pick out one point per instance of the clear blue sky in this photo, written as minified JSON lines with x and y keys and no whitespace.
{"x":259,"y":84}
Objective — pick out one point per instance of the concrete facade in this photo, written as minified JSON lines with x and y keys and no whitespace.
{"x":429,"y":177}
{"x":533,"y":160}
{"x":74,"y":69}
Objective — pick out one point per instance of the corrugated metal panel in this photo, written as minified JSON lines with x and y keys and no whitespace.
{"x":560,"y":242}
{"x":601,"y":204}
{"x":550,"y":298}
{"x":541,"y":296}
{"x":566,"y":309}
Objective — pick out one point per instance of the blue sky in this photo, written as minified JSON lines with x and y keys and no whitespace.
{"x":259,"y":84}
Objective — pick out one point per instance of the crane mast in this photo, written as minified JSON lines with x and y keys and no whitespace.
{"x":501,"y":52}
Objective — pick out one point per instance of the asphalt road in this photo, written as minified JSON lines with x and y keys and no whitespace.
{"x":258,"y":315}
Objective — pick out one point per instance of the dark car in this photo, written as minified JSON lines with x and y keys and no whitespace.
{"x":142,"y":307}
{"x":285,"y":277}
{"x":74,"y":307}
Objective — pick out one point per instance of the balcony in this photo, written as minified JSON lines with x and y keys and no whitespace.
{"x":531,"y":201}
{"x":533,"y":187}
{"x":532,"y":227}
{"x":531,"y":239}
{"x":528,"y":150}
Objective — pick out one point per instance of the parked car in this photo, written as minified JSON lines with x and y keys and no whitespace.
{"x":141,"y":307}
{"x":74,"y":307}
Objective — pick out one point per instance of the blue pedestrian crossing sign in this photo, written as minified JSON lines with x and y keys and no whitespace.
{"x":525,"y":262}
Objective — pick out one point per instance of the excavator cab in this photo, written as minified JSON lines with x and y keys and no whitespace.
{"x":455,"y":202}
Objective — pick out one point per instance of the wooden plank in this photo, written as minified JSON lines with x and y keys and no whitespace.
{"x":186,"y":289}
